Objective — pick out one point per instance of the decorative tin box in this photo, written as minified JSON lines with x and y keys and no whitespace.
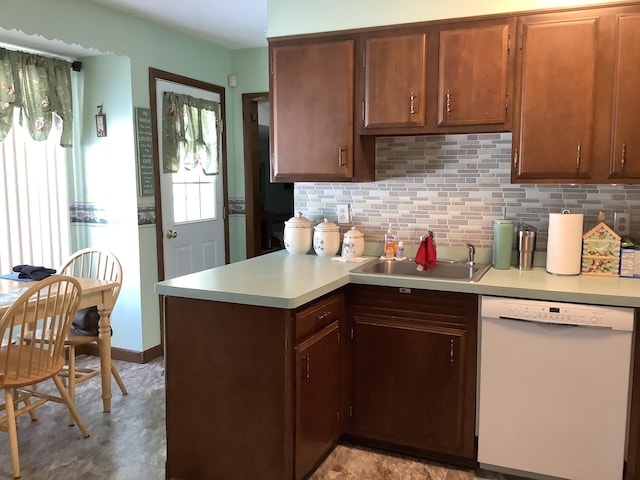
{"x":601,"y":251}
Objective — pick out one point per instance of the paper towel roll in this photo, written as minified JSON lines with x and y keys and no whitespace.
{"x":564,"y":245}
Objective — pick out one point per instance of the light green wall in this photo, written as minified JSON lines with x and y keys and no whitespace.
{"x":105,"y":175}
{"x":251,"y":67}
{"x":292,"y":17}
{"x":141,"y":44}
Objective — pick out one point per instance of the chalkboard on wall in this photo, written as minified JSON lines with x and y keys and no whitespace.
{"x":144,"y":149}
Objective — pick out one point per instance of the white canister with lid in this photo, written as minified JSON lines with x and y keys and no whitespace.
{"x":326,"y":239}
{"x":297,"y":235}
{"x":356,"y":238}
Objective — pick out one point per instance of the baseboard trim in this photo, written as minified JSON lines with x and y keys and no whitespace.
{"x":122,"y":354}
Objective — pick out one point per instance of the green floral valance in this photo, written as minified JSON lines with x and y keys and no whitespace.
{"x":39,"y":86}
{"x":190,"y":131}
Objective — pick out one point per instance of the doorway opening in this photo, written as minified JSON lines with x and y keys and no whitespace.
{"x":268,"y":205}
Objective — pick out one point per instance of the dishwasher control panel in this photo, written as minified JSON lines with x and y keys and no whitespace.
{"x":542,"y":311}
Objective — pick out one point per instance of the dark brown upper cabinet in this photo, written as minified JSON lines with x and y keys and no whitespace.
{"x":438,"y":78}
{"x":395,"y":69}
{"x":557,"y":75}
{"x":625,"y":134}
{"x":312,"y":109}
{"x":474,"y":75}
{"x":563,"y":81}
{"x":577,"y":101}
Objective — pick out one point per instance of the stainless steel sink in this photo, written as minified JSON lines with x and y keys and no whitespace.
{"x":444,"y":270}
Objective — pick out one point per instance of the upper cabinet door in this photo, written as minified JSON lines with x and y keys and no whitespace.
{"x":625,"y":145}
{"x":312,"y":88}
{"x":473,"y":80}
{"x":395,"y":81}
{"x":556,"y":71}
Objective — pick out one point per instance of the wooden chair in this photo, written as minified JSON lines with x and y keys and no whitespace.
{"x":49,"y":305}
{"x":102,"y":265}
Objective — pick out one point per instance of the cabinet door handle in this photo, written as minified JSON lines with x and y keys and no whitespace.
{"x":516,"y":158}
{"x":448,"y":102}
{"x":412,"y":103}
{"x":623,"y":157}
{"x":451,"y":354}
{"x":307,"y":368}
{"x":578,"y":155}
{"x":341,"y":152}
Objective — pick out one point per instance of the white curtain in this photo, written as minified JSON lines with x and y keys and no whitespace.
{"x":34,"y":210}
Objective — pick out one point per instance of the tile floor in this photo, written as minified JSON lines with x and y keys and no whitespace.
{"x":129,"y":443}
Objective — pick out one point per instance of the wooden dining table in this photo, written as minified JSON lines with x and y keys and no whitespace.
{"x":94,"y":292}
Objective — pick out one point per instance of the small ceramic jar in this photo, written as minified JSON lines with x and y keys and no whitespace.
{"x":326,"y":239}
{"x":297,"y":235}
{"x":355,"y":238}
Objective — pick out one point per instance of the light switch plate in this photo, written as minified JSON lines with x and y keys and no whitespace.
{"x":343,"y":213}
{"x":621,"y":223}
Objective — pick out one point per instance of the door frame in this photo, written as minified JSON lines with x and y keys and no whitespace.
{"x":252,"y":170}
{"x":155,"y":74}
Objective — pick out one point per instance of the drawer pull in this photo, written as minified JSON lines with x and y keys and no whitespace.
{"x":324,"y":315}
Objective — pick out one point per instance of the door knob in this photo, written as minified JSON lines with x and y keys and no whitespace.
{"x":172,"y":234}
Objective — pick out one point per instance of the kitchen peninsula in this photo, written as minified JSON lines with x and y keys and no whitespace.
{"x":243,"y":343}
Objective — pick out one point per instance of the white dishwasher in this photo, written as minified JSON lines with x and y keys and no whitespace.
{"x":553,"y":388}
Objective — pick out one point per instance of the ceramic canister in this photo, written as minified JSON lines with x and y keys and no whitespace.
{"x":326,"y":239}
{"x":356,"y":238}
{"x":297,"y":235}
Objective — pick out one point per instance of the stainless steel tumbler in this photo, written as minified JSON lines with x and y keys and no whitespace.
{"x":526,"y":245}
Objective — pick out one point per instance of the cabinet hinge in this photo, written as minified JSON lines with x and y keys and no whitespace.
{"x":506,"y":103}
{"x":351,"y":333}
{"x":509,"y":45}
{"x":337,"y":417}
{"x":351,"y":410}
{"x":271,"y":64}
{"x":364,"y":58}
{"x":338,"y":337}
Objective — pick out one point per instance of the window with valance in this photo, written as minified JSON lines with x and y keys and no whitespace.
{"x":190,"y":132}
{"x":39,"y":87}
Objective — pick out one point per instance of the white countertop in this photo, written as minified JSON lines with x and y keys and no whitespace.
{"x":289,"y":281}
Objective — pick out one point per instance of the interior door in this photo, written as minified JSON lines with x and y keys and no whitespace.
{"x":193,"y":235}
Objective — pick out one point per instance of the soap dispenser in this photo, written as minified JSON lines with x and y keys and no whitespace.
{"x":390,"y":246}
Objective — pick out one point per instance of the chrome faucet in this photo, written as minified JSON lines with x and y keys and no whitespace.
{"x":472,"y":253}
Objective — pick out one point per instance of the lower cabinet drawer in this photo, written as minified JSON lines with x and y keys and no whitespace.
{"x":320,"y":313}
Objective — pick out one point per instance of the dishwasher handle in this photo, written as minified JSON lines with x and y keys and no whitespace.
{"x":563,"y":324}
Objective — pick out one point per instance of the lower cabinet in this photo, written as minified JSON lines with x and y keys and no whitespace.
{"x":317,"y":397}
{"x":319,"y":374}
{"x":414,"y":368}
{"x":262,"y":392}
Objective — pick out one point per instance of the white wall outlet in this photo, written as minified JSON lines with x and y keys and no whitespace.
{"x":621,"y":223}
{"x":343,"y":213}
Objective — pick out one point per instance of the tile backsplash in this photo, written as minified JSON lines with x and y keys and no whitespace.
{"x":456,"y":185}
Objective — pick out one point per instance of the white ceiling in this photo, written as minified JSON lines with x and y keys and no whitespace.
{"x":229,"y":23}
